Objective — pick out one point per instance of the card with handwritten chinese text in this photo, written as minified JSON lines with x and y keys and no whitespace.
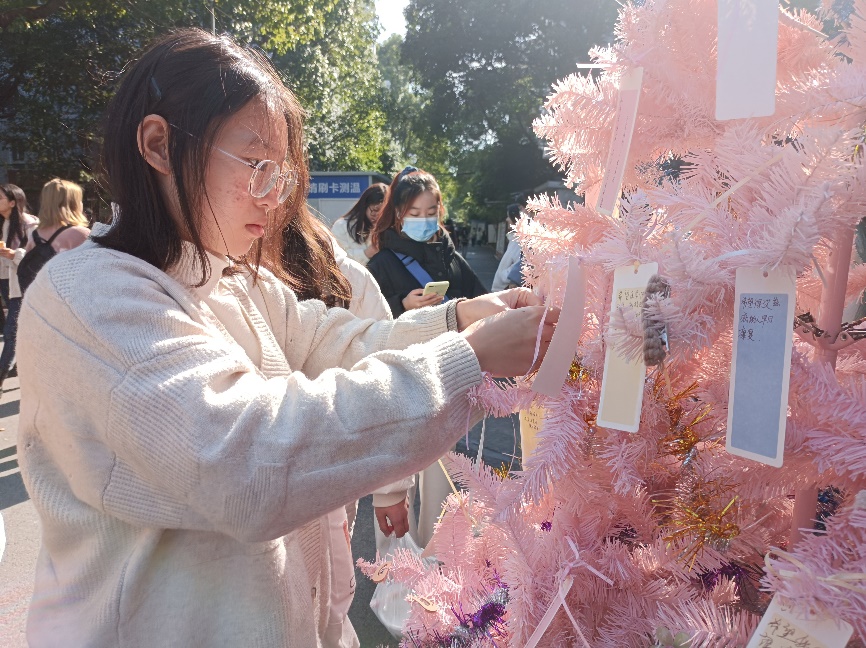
{"x":781,"y":627}
{"x":531,"y":421}
{"x":554,"y":368}
{"x":746,"y":61}
{"x":623,"y":128}
{"x":623,"y":380}
{"x":761,"y":364}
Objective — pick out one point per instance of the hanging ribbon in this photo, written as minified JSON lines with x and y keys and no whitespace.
{"x":566,"y":582}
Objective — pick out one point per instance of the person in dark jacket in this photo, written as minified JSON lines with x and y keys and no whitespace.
{"x":415,"y":249}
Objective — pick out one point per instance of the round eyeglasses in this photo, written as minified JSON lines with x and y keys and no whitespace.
{"x":267,"y":174}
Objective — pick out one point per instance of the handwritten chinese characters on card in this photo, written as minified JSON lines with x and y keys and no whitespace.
{"x":781,"y":633}
{"x":761,"y":364}
{"x":781,"y":627}
{"x":623,"y":380}
{"x":630,"y":297}
{"x":759,"y":311}
{"x":531,"y":421}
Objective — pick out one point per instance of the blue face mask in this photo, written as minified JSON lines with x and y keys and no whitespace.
{"x":421,"y":229}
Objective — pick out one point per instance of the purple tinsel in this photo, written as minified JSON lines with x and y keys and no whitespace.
{"x":732,"y":570}
{"x":474,"y":628}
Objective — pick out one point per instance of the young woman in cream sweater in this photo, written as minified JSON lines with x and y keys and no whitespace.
{"x":186,"y":422}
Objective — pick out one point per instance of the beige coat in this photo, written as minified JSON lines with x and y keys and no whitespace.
{"x":172,"y":475}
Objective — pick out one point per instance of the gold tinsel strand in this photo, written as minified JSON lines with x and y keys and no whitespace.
{"x":694,"y":515}
{"x":683,"y":437}
{"x":501,"y":472}
{"x":577,"y":372}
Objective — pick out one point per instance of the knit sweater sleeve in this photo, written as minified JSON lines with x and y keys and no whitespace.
{"x":354,"y":249}
{"x":316,"y":338}
{"x":198,"y":438}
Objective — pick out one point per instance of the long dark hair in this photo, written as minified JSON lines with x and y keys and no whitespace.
{"x":306,"y":262}
{"x":357,"y":222}
{"x":195,"y":81}
{"x":408,"y":185}
{"x":16,"y":236}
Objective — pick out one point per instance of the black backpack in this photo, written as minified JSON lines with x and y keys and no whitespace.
{"x":37,"y":257}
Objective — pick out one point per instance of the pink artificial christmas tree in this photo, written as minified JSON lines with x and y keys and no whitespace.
{"x":662,"y":537}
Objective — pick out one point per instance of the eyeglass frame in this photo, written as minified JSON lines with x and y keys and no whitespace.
{"x":284,"y":177}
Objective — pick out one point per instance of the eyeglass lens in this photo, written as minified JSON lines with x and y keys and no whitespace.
{"x":267,"y":175}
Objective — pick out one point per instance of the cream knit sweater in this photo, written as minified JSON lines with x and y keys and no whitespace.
{"x":172,"y":475}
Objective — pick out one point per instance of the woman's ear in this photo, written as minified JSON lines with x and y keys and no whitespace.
{"x":153,"y":134}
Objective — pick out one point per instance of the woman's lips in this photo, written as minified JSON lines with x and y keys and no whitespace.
{"x":256,"y":230}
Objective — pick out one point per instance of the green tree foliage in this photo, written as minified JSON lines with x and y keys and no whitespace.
{"x":413,"y":139}
{"x":59,"y":62}
{"x":487,"y":66}
{"x":336,"y":78}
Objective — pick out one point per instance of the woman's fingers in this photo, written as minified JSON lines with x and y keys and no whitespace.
{"x":551,"y":319}
{"x":505,"y":343}
{"x":520,"y":298}
{"x":384,"y":525}
{"x":394,"y":518}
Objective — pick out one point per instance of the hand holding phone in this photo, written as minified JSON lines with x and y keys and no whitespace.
{"x":436,"y":288}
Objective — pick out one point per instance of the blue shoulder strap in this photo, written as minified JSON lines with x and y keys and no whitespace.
{"x":411,"y":264}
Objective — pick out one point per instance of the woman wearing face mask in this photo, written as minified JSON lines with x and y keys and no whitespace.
{"x":352,"y":231}
{"x":414,"y":249}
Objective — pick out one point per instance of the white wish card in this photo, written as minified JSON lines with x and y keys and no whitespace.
{"x":761,"y":363}
{"x":746,"y":63}
{"x":781,"y":627}
{"x":620,"y":142}
{"x":563,"y":345}
{"x":623,"y":380}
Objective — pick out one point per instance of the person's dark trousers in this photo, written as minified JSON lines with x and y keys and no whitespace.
{"x":10,"y":329}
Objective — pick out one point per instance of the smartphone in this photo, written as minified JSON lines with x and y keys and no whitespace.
{"x":436,"y":287}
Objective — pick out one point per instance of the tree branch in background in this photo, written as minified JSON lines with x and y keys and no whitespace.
{"x":30,"y":14}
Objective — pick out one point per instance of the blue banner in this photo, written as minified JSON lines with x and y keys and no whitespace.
{"x":334,"y":186}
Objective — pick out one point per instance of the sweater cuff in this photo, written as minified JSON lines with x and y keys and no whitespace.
{"x":459,"y":366}
{"x":426,"y":323}
{"x":388,"y":499}
{"x":451,"y":314}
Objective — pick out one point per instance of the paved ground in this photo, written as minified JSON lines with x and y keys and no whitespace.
{"x":22,"y":524}
{"x":22,"y":528}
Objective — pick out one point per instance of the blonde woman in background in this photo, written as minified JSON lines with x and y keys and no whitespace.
{"x":61,"y":206}
{"x":17,"y":228}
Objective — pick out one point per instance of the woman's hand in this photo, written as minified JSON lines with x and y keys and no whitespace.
{"x":394,"y":518}
{"x":470,"y":311}
{"x":417,"y":299}
{"x":505,"y":343}
{"x":370,"y":251}
{"x":7,"y":253}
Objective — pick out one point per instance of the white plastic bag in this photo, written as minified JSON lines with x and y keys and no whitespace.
{"x":389,"y":602}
